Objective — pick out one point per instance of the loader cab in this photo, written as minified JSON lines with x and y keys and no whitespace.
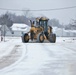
{"x":43,"y":22}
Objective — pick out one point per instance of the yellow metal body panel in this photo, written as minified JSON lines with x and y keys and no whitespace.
{"x":37,"y":30}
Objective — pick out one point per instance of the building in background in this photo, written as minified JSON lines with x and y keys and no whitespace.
{"x":61,"y":32}
{"x":18,"y":29}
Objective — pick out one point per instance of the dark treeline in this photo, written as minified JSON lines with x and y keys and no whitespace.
{"x":10,"y":18}
{"x":71,"y":25}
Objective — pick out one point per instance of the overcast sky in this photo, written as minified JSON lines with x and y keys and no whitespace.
{"x":64,"y":16}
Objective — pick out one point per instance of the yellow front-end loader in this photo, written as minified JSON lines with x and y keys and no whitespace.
{"x":40,"y":32}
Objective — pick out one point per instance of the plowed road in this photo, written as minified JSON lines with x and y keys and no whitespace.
{"x":40,"y":58}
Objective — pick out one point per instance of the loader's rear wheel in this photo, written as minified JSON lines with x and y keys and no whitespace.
{"x":26,"y":38}
{"x":40,"y":38}
{"x":52,"y":38}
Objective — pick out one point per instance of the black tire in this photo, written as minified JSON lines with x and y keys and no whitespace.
{"x":38,"y":38}
{"x":52,"y":38}
{"x":25,"y":38}
{"x":32,"y":35}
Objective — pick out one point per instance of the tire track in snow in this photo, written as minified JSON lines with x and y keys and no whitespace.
{"x":59,"y":63}
{"x":63,"y":51}
{"x":73,"y":50}
{"x":15,"y":63}
{"x":46,"y":49}
{"x":11,"y":58}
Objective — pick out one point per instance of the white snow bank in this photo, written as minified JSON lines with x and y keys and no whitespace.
{"x":5,"y":48}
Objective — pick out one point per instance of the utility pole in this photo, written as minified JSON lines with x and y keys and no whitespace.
{"x":1,"y":34}
{"x":62,"y":30}
{"x":4,"y":33}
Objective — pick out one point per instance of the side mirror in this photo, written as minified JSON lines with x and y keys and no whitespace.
{"x":33,"y":22}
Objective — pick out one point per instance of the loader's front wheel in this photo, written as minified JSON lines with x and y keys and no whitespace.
{"x":26,"y":38}
{"x":40,"y":38}
{"x":52,"y":38}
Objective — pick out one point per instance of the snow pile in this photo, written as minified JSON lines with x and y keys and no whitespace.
{"x":5,"y":48}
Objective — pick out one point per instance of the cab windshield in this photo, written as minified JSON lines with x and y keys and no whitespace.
{"x":44,"y":25}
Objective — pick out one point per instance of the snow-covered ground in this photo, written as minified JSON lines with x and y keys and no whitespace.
{"x":17,"y":58}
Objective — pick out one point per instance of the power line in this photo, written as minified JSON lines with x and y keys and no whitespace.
{"x":55,"y":9}
{"x":40,"y":9}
